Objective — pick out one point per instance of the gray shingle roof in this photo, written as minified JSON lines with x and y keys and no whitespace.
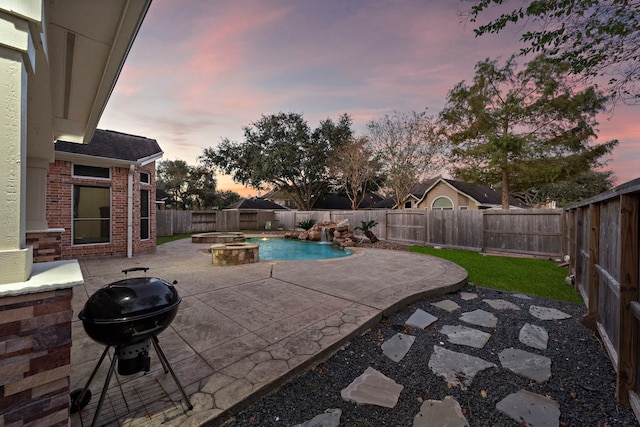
{"x":256,"y":203}
{"x":113,"y":145}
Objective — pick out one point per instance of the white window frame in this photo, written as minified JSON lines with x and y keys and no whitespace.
{"x":453,"y":206}
{"x":73,"y":218}
{"x":148,"y":175}
{"x":148,"y":217}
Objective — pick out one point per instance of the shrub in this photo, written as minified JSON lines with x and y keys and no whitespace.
{"x":307,"y":224}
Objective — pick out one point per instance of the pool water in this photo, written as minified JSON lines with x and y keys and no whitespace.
{"x":278,"y":249}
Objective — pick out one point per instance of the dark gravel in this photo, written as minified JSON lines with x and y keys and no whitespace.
{"x":582,"y":381}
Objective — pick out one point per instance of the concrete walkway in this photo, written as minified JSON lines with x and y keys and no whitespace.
{"x":242,"y":331}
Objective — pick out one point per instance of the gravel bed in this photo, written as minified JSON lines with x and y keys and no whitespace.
{"x":582,"y":381}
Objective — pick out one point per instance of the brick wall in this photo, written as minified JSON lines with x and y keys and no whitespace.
{"x":35,"y":354}
{"x":59,"y":210}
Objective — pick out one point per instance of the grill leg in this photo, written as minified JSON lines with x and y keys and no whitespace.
{"x":167,"y":366}
{"x":93,"y":374}
{"x":105,"y":388}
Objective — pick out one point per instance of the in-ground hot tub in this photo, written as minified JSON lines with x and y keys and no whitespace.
{"x":218,"y":237}
{"x":223,"y":254}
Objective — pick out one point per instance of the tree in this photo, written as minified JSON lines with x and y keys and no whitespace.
{"x":202,"y":187}
{"x":281,"y":151}
{"x":366,"y":227}
{"x":355,"y":170}
{"x":173,"y":177}
{"x":580,"y":187}
{"x":226,"y":198}
{"x":596,"y":37}
{"x":522,"y":129}
{"x":408,"y":148}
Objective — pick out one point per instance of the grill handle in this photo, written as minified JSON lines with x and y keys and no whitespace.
{"x":149,"y":331}
{"x":128,"y":270}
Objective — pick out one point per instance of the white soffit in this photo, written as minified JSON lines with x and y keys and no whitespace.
{"x":88,"y":42}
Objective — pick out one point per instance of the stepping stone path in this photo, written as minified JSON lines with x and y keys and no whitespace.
{"x":465,"y":336}
{"x":447,"y":305}
{"x":530,"y":409}
{"x":534,"y":336}
{"x":445,"y":412}
{"x":457,"y":368}
{"x":546,"y":313}
{"x":530,"y":365}
{"x":460,"y":368}
{"x":373,"y":388}
{"x":420,"y":319}
{"x":396,"y":347}
{"x":480,"y":318}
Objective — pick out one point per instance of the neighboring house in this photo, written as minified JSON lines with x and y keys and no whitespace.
{"x":102,"y":194}
{"x":450,"y":194}
{"x":161,"y":199}
{"x":255,"y":203}
{"x":333,"y":201}
{"x":329,"y":201}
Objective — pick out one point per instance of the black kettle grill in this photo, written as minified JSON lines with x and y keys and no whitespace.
{"x":128,"y":315}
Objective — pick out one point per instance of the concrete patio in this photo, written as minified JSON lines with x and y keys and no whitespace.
{"x":241,"y":331}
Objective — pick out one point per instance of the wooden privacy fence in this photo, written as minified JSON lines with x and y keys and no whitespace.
{"x":169,"y":222}
{"x":602,"y":240}
{"x":532,"y":231}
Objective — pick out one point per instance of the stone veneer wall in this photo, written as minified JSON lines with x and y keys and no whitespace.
{"x":35,"y":358}
{"x":47,"y":245}
{"x":234,"y":254}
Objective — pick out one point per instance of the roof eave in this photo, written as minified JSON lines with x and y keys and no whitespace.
{"x":104,"y":161}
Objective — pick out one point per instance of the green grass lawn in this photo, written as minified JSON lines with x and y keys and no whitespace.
{"x":523,"y":275}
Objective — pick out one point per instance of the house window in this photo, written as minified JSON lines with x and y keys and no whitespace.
{"x":442,"y":203}
{"x":91,"y":172}
{"x":144,"y":214}
{"x":144,"y":177}
{"x":463,"y":208}
{"x":408,"y":205}
{"x":91,"y":215}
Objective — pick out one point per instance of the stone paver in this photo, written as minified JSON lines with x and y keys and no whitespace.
{"x":445,"y":412}
{"x":373,"y":388}
{"x":463,"y":335}
{"x":447,"y":305}
{"x":396,"y":347}
{"x":534,"y":336}
{"x":468,"y":296}
{"x":330,"y":418}
{"x":420,"y":319}
{"x":501,"y":304}
{"x":530,"y":409}
{"x":480,"y":318}
{"x":530,"y":365}
{"x":546,"y":313}
{"x":457,"y":368}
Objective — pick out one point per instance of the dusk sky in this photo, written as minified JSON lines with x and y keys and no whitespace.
{"x":201,"y":70}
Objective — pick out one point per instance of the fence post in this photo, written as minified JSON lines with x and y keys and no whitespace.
{"x":594,"y":253}
{"x":629,"y":274}
{"x":571,"y":241}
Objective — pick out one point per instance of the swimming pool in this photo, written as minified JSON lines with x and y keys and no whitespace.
{"x":278,"y":249}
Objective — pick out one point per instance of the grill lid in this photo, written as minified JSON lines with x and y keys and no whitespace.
{"x":130,"y":299}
